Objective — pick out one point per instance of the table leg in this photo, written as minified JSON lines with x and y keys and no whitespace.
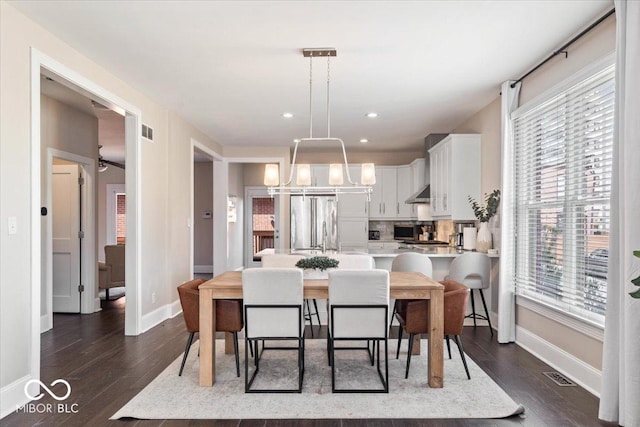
{"x":436,"y":335}
{"x":207,"y":339}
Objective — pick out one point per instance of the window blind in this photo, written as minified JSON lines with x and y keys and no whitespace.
{"x":563,"y":163}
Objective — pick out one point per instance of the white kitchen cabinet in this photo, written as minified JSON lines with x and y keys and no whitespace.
{"x":353,"y":233}
{"x":404,"y":190}
{"x":394,"y":185}
{"x":455,"y":175}
{"x":353,"y":205}
{"x":319,"y":175}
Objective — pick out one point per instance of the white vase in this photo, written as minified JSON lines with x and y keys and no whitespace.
{"x":484,"y":242}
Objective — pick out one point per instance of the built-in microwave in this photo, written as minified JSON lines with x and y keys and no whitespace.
{"x":403,"y":232}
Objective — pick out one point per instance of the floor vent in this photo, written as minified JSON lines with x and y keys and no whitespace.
{"x":559,"y":379}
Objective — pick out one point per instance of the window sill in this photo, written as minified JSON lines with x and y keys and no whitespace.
{"x":587,"y":328}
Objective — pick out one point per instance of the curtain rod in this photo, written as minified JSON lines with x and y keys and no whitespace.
{"x":562,"y":49}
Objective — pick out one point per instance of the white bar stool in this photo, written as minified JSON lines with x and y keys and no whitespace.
{"x":473,"y":269}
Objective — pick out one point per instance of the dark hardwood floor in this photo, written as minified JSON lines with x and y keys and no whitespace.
{"x":107,"y":369}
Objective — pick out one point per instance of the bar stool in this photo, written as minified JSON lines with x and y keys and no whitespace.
{"x":410,"y":261}
{"x":473,"y":270}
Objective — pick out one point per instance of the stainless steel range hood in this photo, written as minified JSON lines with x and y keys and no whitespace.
{"x":421,"y":196}
{"x":424,"y":194}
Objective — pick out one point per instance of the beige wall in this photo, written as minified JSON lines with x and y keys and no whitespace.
{"x":597,"y":44}
{"x":165,"y":166}
{"x":202,"y":201}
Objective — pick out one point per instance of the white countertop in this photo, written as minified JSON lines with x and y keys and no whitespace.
{"x":435,"y":251}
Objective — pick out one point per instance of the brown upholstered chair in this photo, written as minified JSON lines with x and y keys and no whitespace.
{"x":111,"y":271}
{"x":228,"y":317}
{"x":413,"y":316}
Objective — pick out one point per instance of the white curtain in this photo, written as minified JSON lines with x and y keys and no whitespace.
{"x":506,"y":291}
{"x":620,"y":393}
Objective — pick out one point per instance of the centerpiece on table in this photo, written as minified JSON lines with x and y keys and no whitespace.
{"x":484,"y":213}
{"x":316,"y":267}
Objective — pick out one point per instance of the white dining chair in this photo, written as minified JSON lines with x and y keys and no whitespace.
{"x":273,"y":300}
{"x":358,"y":310}
{"x":355,"y":261}
{"x":473,"y":269}
{"x":289,"y":261}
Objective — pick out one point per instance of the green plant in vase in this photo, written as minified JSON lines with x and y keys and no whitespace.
{"x":636,"y":281}
{"x":483,"y":213}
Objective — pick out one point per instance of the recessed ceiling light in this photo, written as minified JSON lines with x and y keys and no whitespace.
{"x":287,"y":115}
{"x":364,"y":140}
{"x":372,"y":115}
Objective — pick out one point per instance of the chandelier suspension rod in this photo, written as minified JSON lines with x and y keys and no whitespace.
{"x":328,"y":109}
{"x":311,"y":96}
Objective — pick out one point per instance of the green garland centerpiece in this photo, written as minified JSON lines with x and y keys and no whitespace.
{"x":321,"y":263}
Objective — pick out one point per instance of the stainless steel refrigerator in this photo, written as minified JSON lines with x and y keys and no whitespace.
{"x":314,"y":222}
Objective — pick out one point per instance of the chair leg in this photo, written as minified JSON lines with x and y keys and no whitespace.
{"x":315,"y":305}
{"x":406,"y":375}
{"x":464,"y":360}
{"x":186,"y":352}
{"x":308,"y":316}
{"x":448,"y":345}
{"x":486,"y":312}
{"x":399,"y":342}
{"x":106,"y":294}
{"x":235,"y":350}
{"x":395,"y":309}
{"x":473,"y":309}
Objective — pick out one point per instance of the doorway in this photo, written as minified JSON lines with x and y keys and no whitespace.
{"x":261,"y":224}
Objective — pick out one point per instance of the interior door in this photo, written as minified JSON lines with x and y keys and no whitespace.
{"x":65,"y":216}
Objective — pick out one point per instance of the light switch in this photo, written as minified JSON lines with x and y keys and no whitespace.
{"x":12,"y":225}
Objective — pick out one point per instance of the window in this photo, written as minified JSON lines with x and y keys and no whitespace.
{"x":562,"y":196}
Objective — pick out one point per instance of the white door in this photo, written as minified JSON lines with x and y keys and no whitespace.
{"x":65,"y":216}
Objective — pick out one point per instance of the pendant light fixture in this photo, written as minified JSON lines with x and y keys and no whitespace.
{"x":303,"y":171}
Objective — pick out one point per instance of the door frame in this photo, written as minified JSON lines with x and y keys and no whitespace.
{"x":88,"y":253}
{"x":42,"y":64}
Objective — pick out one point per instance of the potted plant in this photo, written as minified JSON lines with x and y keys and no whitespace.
{"x":483,"y":213}
{"x":313,"y":264}
{"x":636,"y":281}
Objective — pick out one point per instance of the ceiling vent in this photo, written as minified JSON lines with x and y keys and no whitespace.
{"x":147,"y":132}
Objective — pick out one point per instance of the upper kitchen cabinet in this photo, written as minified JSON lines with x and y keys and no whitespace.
{"x":320,"y":175}
{"x":394,"y":185}
{"x":353,"y":205}
{"x":455,"y":175}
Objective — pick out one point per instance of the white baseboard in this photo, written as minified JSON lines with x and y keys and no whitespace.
{"x":46,"y":323}
{"x":159,"y":315}
{"x":204,"y":269}
{"x":12,"y":396}
{"x":96,"y":305}
{"x":580,"y":372}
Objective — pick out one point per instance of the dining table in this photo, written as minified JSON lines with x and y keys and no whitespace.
{"x":403,"y":285}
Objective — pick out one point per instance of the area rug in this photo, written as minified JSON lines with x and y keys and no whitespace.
{"x":169,"y":396}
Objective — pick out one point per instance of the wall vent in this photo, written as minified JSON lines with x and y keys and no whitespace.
{"x":559,"y":379}
{"x":147,"y":132}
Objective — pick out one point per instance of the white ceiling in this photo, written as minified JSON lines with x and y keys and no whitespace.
{"x":232,"y":68}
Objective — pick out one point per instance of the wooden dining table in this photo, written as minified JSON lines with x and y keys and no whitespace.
{"x":404,"y":285}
